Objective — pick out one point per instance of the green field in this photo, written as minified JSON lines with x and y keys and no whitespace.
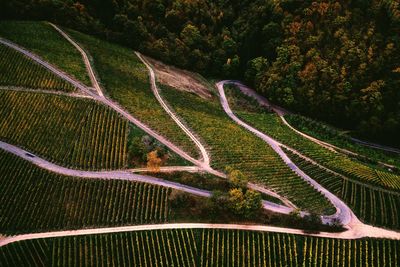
{"x":17,"y":70}
{"x":125,"y":79}
{"x":45,"y":41}
{"x":77,"y":133}
{"x":231,"y":145}
{"x":196,"y":247}
{"x":35,"y":200}
{"x":371,"y":205}
{"x":272,"y":125}
{"x":338,"y":138}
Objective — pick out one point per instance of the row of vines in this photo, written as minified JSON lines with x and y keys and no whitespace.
{"x":34,"y":200}
{"x":232,"y":146}
{"x":76,"y":133}
{"x":272,"y":125}
{"x":370,"y":204}
{"x":207,"y":247}
{"x":18,"y":70}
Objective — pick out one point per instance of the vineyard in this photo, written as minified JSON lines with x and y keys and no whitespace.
{"x":195,"y":247}
{"x":333,"y":136}
{"x":371,"y":205}
{"x":272,"y":125}
{"x":26,"y":192}
{"x":231,"y":145}
{"x":73,"y":132}
{"x":17,"y":70}
{"x":126,"y":80}
{"x":46,"y":42}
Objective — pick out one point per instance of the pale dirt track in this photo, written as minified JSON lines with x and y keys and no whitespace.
{"x":125,"y":175}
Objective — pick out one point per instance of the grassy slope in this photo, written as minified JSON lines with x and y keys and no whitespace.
{"x":231,"y":145}
{"x":126,"y":80}
{"x":271,"y":124}
{"x":42,"y":39}
{"x":196,"y":247}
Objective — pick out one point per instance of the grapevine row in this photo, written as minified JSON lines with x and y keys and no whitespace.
{"x":373,"y":206}
{"x":207,"y":247}
{"x":231,"y":145}
{"x":18,"y":70}
{"x":27,"y":190}
{"x":76,"y":133}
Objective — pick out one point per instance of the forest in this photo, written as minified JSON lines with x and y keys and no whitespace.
{"x":335,"y":61}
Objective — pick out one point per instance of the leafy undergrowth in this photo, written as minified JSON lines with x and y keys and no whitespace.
{"x":232,"y":146}
{"x":45,"y":41}
{"x":125,"y":79}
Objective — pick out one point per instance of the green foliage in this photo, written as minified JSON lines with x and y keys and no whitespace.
{"x":77,"y":133}
{"x":237,"y":178}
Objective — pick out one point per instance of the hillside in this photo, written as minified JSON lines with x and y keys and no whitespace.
{"x":111,"y":157}
{"x":336,"y":61}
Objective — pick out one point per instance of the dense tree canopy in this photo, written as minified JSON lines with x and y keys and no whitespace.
{"x":338,"y":61}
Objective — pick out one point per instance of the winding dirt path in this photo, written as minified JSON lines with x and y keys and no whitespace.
{"x":154,"y":88}
{"x":282,"y":112}
{"x":85,"y":57}
{"x":104,"y":100}
{"x":126,"y":175}
{"x":260,"y":228}
{"x":343,"y":212}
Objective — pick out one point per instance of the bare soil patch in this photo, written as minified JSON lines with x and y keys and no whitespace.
{"x":180,"y":79}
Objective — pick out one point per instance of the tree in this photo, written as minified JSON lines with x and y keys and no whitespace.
{"x":252,"y":203}
{"x":237,"y":178}
{"x":153,"y":161}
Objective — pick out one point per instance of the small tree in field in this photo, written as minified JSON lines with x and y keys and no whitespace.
{"x":153,"y":161}
{"x":237,"y":178}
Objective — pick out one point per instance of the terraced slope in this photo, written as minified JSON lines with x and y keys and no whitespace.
{"x":232,"y":146}
{"x":271,"y":124}
{"x":371,"y":205}
{"x":17,"y":70}
{"x":77,"y":133}
{"x":43,"y":40}
{"x":125,"y":79}
{"x":189,"y":247}
{"x":35,"y":200}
